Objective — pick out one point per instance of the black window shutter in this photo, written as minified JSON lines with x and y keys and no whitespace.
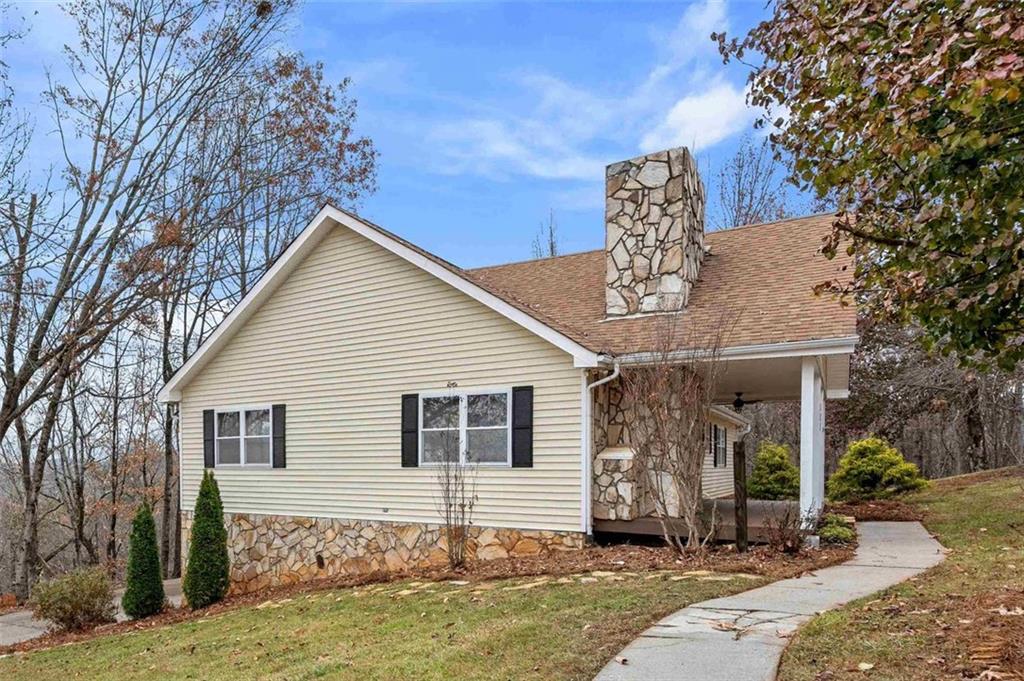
{"x":410,"y":430}
{"x":522,"y":427}
{"x":208,"y":456}
{"x":278,"y":428}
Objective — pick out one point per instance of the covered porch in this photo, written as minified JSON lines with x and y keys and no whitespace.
{"x":810,"y":372}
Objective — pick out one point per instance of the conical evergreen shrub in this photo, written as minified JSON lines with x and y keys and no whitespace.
{"x":144,"y":587}
{"x":206,"y":575}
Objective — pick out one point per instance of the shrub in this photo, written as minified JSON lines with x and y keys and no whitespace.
{"x":834,"y":529}
{"x":774,"y":476}
{"x":872,"y":469}
{"x":79,"y":600}
{"x":206,"y":576}
{"x":144,"y":587}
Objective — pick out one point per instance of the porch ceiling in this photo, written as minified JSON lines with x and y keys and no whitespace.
{"x":778,"y":378}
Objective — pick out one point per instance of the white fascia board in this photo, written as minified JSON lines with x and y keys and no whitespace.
{"x":257,"y":295}
{"x":823,"y":346}
{"x":582,"y":357}
{"x":729,"y":415}
{"x":304,"y":243}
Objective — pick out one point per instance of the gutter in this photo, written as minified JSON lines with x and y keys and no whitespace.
{"x":586,"y":447}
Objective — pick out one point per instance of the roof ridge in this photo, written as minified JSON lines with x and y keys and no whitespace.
{"x":530,"y":260}
{"x":772,"y":222}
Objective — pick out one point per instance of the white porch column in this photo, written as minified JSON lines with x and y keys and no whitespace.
{"x":812,"y":440}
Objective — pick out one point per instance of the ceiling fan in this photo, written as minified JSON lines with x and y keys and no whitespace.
{"x":738,"y":403}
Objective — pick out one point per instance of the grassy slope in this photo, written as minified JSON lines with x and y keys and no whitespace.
{"x":929,"y":627}
{"x":441,"y":631}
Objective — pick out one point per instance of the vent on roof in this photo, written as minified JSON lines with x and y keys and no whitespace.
{"x":654,"y":232}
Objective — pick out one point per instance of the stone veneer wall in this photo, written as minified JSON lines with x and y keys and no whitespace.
{"x":267,"y":550}
{"x":654,"y":232}
{"x":614,"y":490}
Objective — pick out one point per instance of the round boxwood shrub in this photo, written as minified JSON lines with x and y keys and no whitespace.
{"x":144,"y":586}
{"x":834,"y":529}
{"x":206,"y":575}
{"x":872,"y":469}
{"x":79,"y":600}
{"x":774,"y":476}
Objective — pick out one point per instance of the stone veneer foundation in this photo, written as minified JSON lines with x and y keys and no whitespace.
{"x":654,"y":232}
{"x":268,"y":550}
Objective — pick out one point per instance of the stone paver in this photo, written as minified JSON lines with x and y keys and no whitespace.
{"x":20,"y":625}
{"x":741,"y":637}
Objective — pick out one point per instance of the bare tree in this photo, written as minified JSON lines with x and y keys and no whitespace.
{"x":545,"y":243}
{"x":455,"y":473}
{"x":87,"y":257}
{"x":751,"y":186}
{"x":668,"y":400}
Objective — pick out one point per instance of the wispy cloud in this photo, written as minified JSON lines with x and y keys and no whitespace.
{"x":558,"y":130}
{"x":701,"y":120}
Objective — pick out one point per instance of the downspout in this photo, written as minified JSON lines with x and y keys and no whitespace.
{"x":588,"y":443}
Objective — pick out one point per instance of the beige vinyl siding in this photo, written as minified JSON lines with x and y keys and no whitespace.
{"x":350,"y":331}
{"x":718,"y":482}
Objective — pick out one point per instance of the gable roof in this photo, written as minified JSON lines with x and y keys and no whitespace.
{"x":759,"y":277}
{"x":330,"y":217}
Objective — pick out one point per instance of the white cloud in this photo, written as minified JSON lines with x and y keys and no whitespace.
{"x":701,"y":119}
{"x":501,"y":148}
{"x":564,"y":130}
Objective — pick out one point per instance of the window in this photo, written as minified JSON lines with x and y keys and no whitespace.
{"x":717,"y":445}
{"x":243,"y":437}
{"x":466,"y":427}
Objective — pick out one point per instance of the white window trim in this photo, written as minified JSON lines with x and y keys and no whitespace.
{"x":241,"y":435}
{"x":723,"y":434}
{"x":462,"y":394}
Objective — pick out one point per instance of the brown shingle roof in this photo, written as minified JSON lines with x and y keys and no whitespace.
{"x":759,"y":278}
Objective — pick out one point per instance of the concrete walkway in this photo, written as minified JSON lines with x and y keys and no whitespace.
{"x":741,"y":637}
{"x":20,"y":625}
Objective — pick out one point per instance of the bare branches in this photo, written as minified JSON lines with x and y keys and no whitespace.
{"x":668,"y":408}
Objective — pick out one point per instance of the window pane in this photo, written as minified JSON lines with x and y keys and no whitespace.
{"x":257,"y":450}
{"x":228,"y":450}
{"x":227,"y":424}
{"x":439,"y":445}
{"x":257,"y":422}
{"x":441,"y":412}
{"x":489,"y":445}
{"x":487,"y":410}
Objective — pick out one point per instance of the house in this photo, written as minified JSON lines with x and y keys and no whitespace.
{"x":323,"y":398}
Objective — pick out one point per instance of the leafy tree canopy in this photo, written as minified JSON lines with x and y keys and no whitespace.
{"x":908,"y":116}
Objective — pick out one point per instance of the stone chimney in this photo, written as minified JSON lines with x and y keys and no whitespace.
{"x":654,"y":232}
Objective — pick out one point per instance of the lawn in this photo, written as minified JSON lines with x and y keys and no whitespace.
{"x":525,"y":628}
{"x":961,"y":620}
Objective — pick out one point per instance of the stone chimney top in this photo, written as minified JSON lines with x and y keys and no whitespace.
{"x":654,"y":232}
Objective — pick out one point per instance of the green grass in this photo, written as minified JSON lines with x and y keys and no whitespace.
{"x":928,"y":627}
{"x":562,"y":629}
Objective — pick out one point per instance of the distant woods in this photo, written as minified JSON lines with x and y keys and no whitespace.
{"x":192,"y":151}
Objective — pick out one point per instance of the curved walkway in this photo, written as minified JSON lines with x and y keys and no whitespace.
{"x":741,"y":637}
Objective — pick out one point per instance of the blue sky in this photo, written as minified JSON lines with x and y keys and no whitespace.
{"x":488,"y":116}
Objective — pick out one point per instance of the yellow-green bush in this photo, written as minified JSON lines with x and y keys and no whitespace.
{"x":774,"y":477}
{"x":834,"y":529}
{"x":872,"y":469}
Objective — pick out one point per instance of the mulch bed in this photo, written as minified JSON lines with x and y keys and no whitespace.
{"x":760,"y":560}
{"x":889,"y":509}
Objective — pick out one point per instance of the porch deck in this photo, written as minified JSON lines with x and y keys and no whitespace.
{"x":761,"y":515}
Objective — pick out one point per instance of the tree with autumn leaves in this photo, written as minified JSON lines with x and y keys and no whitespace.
{"x":908,"y":117}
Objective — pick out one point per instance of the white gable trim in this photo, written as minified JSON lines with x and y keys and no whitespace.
{"x":313,"y":233}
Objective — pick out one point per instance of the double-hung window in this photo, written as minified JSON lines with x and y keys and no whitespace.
{"x":471,"y":426}
{"x":718,"y":446}
{"x":243,"y":436}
